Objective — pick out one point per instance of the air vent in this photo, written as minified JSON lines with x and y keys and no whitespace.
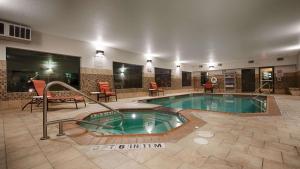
{"x":280,"y":59}
{"x":251,"y":61}
{"x":12,"y":31}
{"x":220,"y":64}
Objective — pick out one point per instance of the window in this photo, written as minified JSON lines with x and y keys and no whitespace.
{"x":204,"y":77}
{"x":127,"y":75}
{"x":24,"y":64}
{"x":186,"y":78}
{"x":163,"y":77}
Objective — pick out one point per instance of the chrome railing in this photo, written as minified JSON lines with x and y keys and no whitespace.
{"x":61,"y":121}
{"x":261,"y":87}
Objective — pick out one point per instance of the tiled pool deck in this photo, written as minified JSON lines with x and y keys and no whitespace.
{"x":254,"y":142}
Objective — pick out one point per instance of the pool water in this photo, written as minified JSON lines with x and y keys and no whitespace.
{"x":219,"y":103}
{"x":135,"y":122}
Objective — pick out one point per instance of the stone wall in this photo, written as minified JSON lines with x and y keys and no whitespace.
{"x":88,"y":82}
{"x":288,"y":80}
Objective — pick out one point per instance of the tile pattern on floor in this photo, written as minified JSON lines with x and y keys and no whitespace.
{"x":260,"y":142}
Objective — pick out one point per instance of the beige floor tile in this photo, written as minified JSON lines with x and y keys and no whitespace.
{"x":269,"y":164}
{"x":77,"y":163}
{"x":187,"y":166}
{"x":110,"y":160}
{"x":131,"y":165}
{"x":43,"y":166}
{"x":172,"y":148}
{"x":63,"y":156}
{"x":23,"y":152}
{"x":215,"y":163}
{"x":244,"y":159}
{"x":266,"y":154}
{"x":91,"y":152}
{"x":291,"y":160}
{"x":281,"y":147}
{"x":191,"y":156}
{"x":217,"y":150}
{"x":251,"y":141}
{"x":289,"y":141}
{"x":142,"y":155}
{"x":163,"y":161}
{"x":227,"y":149}
{"x":52,"y":147}
{"x":28,"y":162}
{"x":242,"y":147}
{"x":265,"y":137}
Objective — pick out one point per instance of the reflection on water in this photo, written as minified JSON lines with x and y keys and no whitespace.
{"x":134,"y":122}
{"x":221,"y":103}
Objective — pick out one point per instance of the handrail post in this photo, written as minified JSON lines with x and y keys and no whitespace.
{"x":61,"y":128}
{"x":45,"y":109}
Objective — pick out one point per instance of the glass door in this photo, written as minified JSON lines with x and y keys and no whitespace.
{"x":266,"y":79}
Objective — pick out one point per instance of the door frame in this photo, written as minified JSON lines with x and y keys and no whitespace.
{"x":273,"y":72}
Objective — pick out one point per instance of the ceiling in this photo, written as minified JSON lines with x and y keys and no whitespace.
{"x":192,"y":31}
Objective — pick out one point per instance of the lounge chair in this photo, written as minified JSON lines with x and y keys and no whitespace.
{"x":153,"y":88}
{"x":208,"y":86}
{"x":107,"y":91}
{"x":39,"y":86}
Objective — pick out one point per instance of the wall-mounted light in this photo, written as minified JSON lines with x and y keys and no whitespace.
{"x":178,"y":66}
{"x":149,"y":61}
{"x":99,"y":53}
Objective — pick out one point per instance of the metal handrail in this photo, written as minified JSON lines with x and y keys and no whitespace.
{"x":255,"y":97}
{"x":261,"y":87}
{"x":60,"y":122}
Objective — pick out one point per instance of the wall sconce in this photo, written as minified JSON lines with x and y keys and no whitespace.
{"x":149,"y":61}
{"x":99,"y":53}
{"x":31,"y":90}
{"x":178,"y":66}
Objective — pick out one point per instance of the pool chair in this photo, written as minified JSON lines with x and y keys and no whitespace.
{"x":208,"y":86}
{"x":39,"y":86}
{"x":154,"y":89}
{"x":107,"y":91}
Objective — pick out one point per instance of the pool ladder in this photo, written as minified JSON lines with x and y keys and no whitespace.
{"x":257,"y":90}
{"x":61,"y":121}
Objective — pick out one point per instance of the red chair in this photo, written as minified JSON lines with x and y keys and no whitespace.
{"x":153,"y":88}
{"x":208,"y":86}
{"x":39,"y":86}
{"x":107,"y":91}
